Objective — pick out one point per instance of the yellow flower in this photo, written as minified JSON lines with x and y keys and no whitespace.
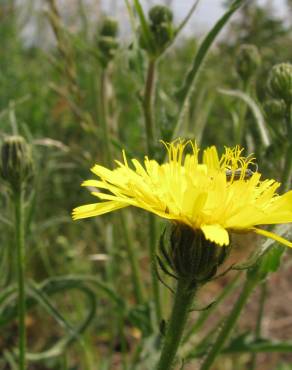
{"x":216,"y":195}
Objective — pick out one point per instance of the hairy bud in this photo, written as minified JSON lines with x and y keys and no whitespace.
{"x":280,"y":82}
{"x":248,"y":60}
{"x":107,"y":40}
{"x":16,"y":167}
{"x":160,"y":14}
{"x":161,"y":31}
{"x":109,"y":27}
{"x":191,"y":256}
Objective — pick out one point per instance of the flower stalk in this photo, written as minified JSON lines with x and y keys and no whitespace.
{"x":184,"y":296}
{"x":148,"y":102}
{"x":148,"y":105}
{"x":103,"y":117}
{"x":20,"y":248}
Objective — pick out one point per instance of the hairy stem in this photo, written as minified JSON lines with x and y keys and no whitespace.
{"x":20,"y":249}
{"x":183,"y":299}
{"x":148,"y":101}
{"x":148,"y":106}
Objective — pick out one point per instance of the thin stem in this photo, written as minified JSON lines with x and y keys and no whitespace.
{"x":229,"y":323}
{"x":20,"y":248}
{"x":148,"y":101}
{"x":241,"y":116}
{"x":103,"y":118}
{"x":148,"y":106}
{"x":136,"y":276}
{"x":286,"y":174}
{"x":184,"y":296}
{"x":152,"y":253}
{"x":260,"y":315}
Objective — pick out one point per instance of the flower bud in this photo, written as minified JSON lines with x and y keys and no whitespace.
{"x":16,"y":167}
{"x":191,"y":256}
{"x":163,"y":35}
{"x":248,"y":60}
{"x":280,"y":82}
{"x":161,"y":31}
{"x":109,"y":27}
{"x":275,"y":108}
{"x":160,"y":14}
{"x":107,"y":41}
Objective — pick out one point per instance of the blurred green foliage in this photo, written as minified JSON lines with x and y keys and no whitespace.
{"x":34,"y":102}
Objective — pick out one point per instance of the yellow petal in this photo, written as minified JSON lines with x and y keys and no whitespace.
{"x":216,"y":233}
{"x":96,"y":209}
{"x":274,"y":236}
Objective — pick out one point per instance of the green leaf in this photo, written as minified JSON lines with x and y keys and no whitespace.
{"x":271,"y":260}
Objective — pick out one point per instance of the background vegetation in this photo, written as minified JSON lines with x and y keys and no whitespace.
{"x":79,"y":273}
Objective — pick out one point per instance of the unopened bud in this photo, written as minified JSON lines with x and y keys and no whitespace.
{"x":161,"y":31}
{"x":109,"y":27}
{"x":191,"y":256}
{"x":159,"y":14}
{"x":280,"y":82}
{"x":248,"y":60}
{"x":107,"y":41}
{"x":16,"y":167}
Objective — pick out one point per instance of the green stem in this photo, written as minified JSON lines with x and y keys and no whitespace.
{"x":286,"y":174}
{"x":260,"y":315}
{"x":148,"y":100}
{"x":136,"y":276}
{"x":148,"y":106}
{"x":184,"y":296}
{"x":103,"y":119}
{"x":229,"y":323}
{"x":152,"y":253}
{"x":20,"y":248}
{"x":241,"y":115}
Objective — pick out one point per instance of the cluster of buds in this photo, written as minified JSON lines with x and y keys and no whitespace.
{"x":248,"y":60}
{"x":190,"y":256}
{"x":161,"y":29}
{"x":107,"y":40}
{"x":16,"y":165}
{"x":279,"y":86}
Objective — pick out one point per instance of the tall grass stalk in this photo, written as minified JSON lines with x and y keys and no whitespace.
{"x":20,"y":248}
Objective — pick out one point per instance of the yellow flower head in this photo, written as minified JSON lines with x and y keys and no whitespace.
{"x":217,"y":194}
